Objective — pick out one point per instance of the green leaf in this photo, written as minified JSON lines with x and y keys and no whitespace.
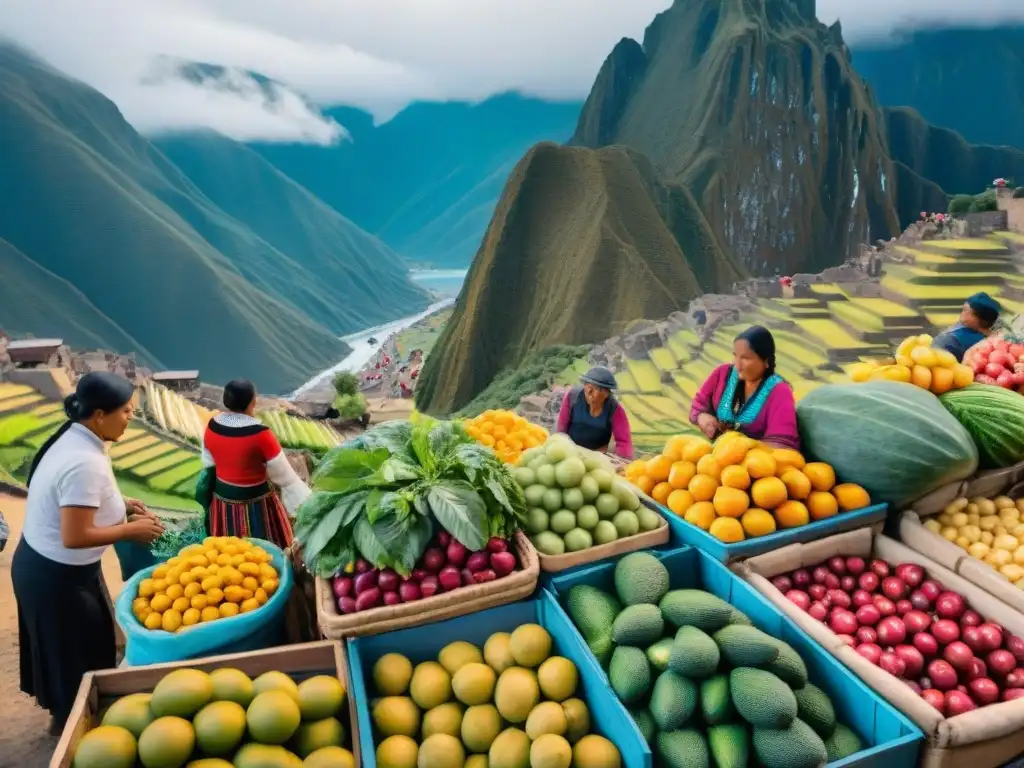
{"x":461,"y":511}
{"x":393,"y":435}
{"x":347,"y":509}
{"x":395,"y":470}
{"x":416,"y":539}
{"x":419,"y":443}
{"x":370,"y":547}
{"x":346,"y":469}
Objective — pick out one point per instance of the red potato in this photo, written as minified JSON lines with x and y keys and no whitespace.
{"x":430,"y":586}
{"x":849,"y":640}
{"x":903,"y":607}
{"x":848,"y":584}
{"x":912,"y":658}
{"x":444,"y":538}
{"x":503,"y":563}
{"x":946,"y":631}
{"x":388,"y":580}
{"x":958,"y":702}
{"x":839,"y":598}
{"x":885,"y":606}
{"x":971,"y":618}
{"x":819,"y":574}
{"x":867,"y":635}
{"x":978,"y":669}
{"x":484,"y":576}
{"x":868,"y":615}
{"x":855,"y":565}
{"x":960,"y":657}
{"x":870,"y":651}
{"x":880,"y":568}
{"x":942,"y":675}
{"x":1012,"y":694}
{"x":817,"y":611}
{"x":931,"y":589}
{"x":433,"y":560}
{"x":1015,"y":679}
{"x":832,"y":581}
{"x":346,"y":605}
{"x":800,"y":599}
{"x":836,"y":565}
{"x":916,"y":621}
{"x":391,"y":598}
{"x":861,"y":597}
{"x":478,"y":561}
{"x":991,"y":636}
{"x":1015,"y":645}
{"x":409,"y":591}
{"x":920,"y":601}
{"x":868,"y":581}
{"x":983,"y":691}
{"x":1001,"y":662}
{"x":365,"y":582}
{"x":801,"y":578}
{"x":926,"y":644}
{"x":817,"y":591}
{"x":935,"y":697}
{"x":891,"y":631}
{"x":782,"y":583}
{"x":843,"y":622}
{"x":895,"y":588}
{"x":450,"y":578}
{"x":893,"y":664}
{"x":456,"y":553}
{"x":369,"y":599}
{"x":342,"y":586}
{"x":911,"y":573}
{"x":495,"y":545}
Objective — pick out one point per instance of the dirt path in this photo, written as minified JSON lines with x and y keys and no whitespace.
{"x":24,"y":738}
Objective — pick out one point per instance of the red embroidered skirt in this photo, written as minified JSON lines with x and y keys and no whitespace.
{"x":260,"y":516}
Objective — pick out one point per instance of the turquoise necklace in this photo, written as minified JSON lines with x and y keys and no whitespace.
{"x":750,"y":409}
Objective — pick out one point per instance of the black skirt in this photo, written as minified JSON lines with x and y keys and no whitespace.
{"x":64,"y":627}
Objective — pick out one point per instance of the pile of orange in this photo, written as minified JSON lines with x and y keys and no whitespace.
{"x":508,"y":433}
{"x":222,"y":577}
{"x":738,"y":488}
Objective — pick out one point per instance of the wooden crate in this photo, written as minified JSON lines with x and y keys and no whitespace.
{"x":299,"y":661}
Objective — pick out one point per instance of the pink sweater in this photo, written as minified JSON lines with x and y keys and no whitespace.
{"x":775,"y":424}
{"x":621,"y":432}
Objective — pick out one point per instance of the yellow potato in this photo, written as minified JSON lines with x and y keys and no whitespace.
{"x":962,"y":541}
{"x":988,"y":522}
{"x":997,"y":558}
{"x":973,"y":519}
{"x":957,"y":505}
{"x":987,"y":537}
{"x":986,"y":506}
{"x":1005,"y":541}
{"x":1012,"y":571}
{"x":958,"y":520}
{"x":979,"y":550}
{"x":972,"y":532}
{"x":1018,"y":555}
{"x":972,"y":509}
{"x":1004,"y":502}
{"x":949,"y":533}
{"x":945,"y":520}
{"x":933,"y":525}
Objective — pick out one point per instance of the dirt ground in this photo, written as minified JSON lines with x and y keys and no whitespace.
{"x":25,"y":741}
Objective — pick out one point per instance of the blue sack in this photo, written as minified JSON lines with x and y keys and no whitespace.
{"x":133,"y":558}
{"x":258,"y":629}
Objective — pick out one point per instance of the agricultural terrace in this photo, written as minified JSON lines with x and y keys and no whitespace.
{"x":821,"y":331}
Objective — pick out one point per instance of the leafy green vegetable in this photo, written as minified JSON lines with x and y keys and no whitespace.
{"x":382,"y":496}
{"x":174,"y":540}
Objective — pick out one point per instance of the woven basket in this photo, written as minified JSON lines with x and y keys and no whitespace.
{"x":517,"y":585}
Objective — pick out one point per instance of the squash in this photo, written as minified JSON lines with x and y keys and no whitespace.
{"x":893,"y":439}
{"x":994,"y":417}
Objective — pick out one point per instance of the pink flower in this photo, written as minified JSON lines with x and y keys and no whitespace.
{"x":939,"y":217}
{"x":924,"y":215}
{"x":1000,"y":182}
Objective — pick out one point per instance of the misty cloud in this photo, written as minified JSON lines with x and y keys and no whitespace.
{"x":366,"y":53}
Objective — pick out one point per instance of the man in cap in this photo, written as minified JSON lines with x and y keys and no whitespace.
{"x":977,"y":317}
{"x":592,"y":417}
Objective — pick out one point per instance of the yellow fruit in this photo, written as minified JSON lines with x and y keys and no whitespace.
{"x":250,"y":582}
{"x":860,"y":372}
{"x":214,"y":596}
{"x":261,"y":596}
{"x":212,"y":582}
{"x":786,"y":459}
{"x":851,"y":496}
{"x":942,"y":380}
{"x":792,"y":514}
{"x":702,"y":514}
{"x":153,"y":621}
{"x":431,"y":685}
{"x":924,"y":356}
{"x":170,"y":621}
{"x":696,"y":450}
{"x":769,"y":492}
{"x":140,"y":604}
{"x":181,"y":605}
{"x":757,"y":522}
{"x":760,"y":463}
{"x":250,"y":604}
{"x":920,"y":376}
{"x":146,"y":588}
{"x":636,"y":468}
{"x":160,"y":572}
{"x":270,"y":586}
{"x":797,"y":485}
{"x":210,"y":613}
{"x":661,"y":492}
{"x":907,"y":345}
{"x":904,"y":361}
{"x":728,"y":451}
{"x":235,"y":594}
{"x":708,"y":466}
{"x":822,"y":504}
{"x":821,"y":475}
{"x":396,"y":715}
{"x":174,"y":591}
{"x":727,"y":529}
{"x":658,"y":469}
{"x":963,"y":375}
{"x":397,"y":752}
{"x":731,"y":502}
{"x":644,"y":484}
{"x":190,"y":616}
{"x":160,"y":603}
{"x":702,"y":487}
{"x":516,"y":694}
{"x":891,"y":373}
{"x":735,"y":477}
{"x":193,"y":589}
{"x":681,"y":474}
{"x":680,"y":501}
{"x":228,"y":609}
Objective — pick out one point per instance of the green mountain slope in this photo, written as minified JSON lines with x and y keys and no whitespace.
{"x":426,"y":182}
{"x":964,"y":79}
{"x":88,"y":200}
{"x":340,"y":275}
{"x":582,"y":243}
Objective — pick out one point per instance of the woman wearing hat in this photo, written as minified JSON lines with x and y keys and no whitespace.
{"x":592,"y":417}
{"x":748,"y":395}
{"x":977,"y":317}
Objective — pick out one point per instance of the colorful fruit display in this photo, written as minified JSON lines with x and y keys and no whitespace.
{"x":896,"y":439}
{"x":994,"y":418}
{"x":575,"y":501}
{"x":508,"y":433}
{"x":704,"y":686}
{"x":446,"y":565}
{"x":737,"y":489}
{"x":511,"y":703}
{"x":917,"y":363}
{"x":990,"y":530}
{"x":216,"y":579}
{"x":912,"y":627}
{"x":998,"y":361}
{"x":224,"y":719}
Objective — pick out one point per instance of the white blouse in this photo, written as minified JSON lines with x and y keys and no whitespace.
{"x":75,"y":472}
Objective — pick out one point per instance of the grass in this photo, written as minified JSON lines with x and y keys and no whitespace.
{"x":9,"y":389}
{"x":133,"y":489}
{"x":646,"y":375}
{"x":972,"y":244}
{"x":1013,"y":237}
{"x":138,"y":458}
{"x":883,"y":307}
{"x":126,"y":447}
{"x":170,"y":479}
{"x":923,"y":293}
{"x":164,"y":462}
{"x":16,"y":403}
{"x":858,"y":317}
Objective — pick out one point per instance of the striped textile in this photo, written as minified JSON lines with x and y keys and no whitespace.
{"x":263,"y":517}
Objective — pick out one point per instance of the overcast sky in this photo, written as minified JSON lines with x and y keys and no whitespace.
{"x":377,"y":54}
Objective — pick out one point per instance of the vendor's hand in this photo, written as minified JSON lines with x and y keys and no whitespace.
{"x":708,"y":425}
{"x":136,"y":508}
{"x":143,"y":530}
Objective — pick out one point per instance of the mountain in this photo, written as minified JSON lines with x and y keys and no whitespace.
{"x":749,"y":111}
{"x":164,"y":270}
{"x":426,"y":182}
{"x":581,"y":243}
{"x":964,"y":79}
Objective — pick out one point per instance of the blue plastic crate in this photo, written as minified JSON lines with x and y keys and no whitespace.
{"x":727,"y":553}
{"x":608,"y":716}
{"x":895,"y":741}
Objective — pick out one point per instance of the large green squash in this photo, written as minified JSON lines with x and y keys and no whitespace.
{"x":994,"y":417}
{"x":894,"y":439}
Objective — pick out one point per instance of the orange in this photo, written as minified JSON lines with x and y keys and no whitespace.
{"x":727,"y":529}
{"x":658,"y":469}
{"x":701,"y":514}
{"x":920,"y":376}
{"x":787,"y":458}
{"x":735,"y":477}
{"x":644,"y":483}
{"x":768,"y":492}
{"x":822,"y":504}
{"x":757,"y":522}
{"x":759,"y":463}
{"x":821,"y":475}
{"x":731,"y":502}
{"x":728,"y":451}
{"x":661,"y":492}
{"x":702,"y":487}
{"x":792,"y":514}
{"x":708,"y":466}
{"x":674,"y":448}
{"x":962,"y":376}
{"x":942,"y":380}
{"x":679,"y":501}
{"x":681,"y":474}
{"x":797,"y":485}
{"x":695,"y":450}
{"x":635,"y":468}
{"x":851,"y":496}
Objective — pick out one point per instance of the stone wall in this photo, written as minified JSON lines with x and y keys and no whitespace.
{"x":985,"y":223}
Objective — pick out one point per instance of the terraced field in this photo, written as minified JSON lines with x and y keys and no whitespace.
{"x":822,"y":330}
{"x":149,"y":467}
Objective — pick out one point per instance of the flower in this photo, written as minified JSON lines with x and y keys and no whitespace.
{"x":999,"y":182}
{"x":924,"y":215}
{"x":939,"y":217}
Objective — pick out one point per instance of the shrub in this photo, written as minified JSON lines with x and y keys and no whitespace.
{"x":1018,"y":193}
{"x":350,"y":407}
{"x":960,"y":204}
{"x":346,"y":383}
{"x":986,"y":201}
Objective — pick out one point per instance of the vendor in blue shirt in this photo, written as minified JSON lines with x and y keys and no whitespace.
{"x":977,"y":317}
